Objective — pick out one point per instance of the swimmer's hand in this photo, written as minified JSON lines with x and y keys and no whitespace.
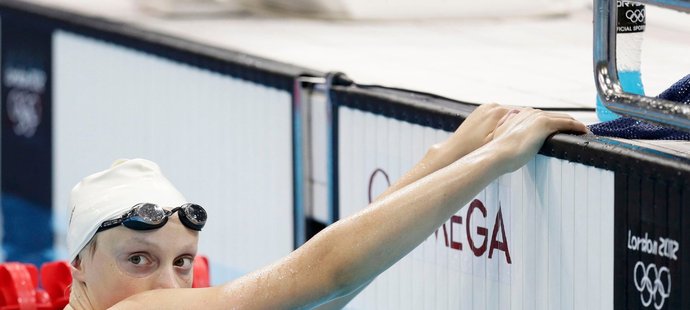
{"x":476,"y":131}
{"x":520,"y":135}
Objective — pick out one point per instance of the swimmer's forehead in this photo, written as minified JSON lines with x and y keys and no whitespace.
{"x":125,"y":238}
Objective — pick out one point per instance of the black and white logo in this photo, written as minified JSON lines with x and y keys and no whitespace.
{"x":24,"y":111}
{"x":654,"y":284}
{"x":635,"y":16}
{"x":631,"y":17}
{"x":23,"y":102}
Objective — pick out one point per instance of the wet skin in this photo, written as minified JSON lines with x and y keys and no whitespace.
{"x":341,"y":260}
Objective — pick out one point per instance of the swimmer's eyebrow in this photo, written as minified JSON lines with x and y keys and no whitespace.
{"x":189,"y":247}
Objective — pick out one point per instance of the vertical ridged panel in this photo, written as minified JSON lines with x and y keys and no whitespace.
{"x":557,"y":217}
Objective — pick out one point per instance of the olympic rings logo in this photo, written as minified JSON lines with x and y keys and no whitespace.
{"x":635,"y":16}
{"x":651,"y":283}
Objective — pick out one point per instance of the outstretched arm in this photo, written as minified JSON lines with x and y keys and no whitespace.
{"x":476,"y":130}
{"x":353,"y":251}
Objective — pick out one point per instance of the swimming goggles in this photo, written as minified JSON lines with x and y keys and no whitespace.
{"x":147,"y":216}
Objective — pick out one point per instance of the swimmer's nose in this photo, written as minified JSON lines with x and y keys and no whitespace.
{"x":167,"y":279}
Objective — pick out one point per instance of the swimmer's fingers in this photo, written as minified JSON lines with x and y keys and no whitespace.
{"x":566,"y":123}
{"x":558,"y":115}
{"x":570,"y":123}
{"x":507,"y":116}
{"x":476,"y":130}
{"x":561,"y":122}
{"x":522,"y":134}
{"x":516,"y":110}
{"x":552,"y":121}
{"x":513,"y":119}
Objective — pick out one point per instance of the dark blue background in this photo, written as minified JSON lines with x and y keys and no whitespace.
{"x":26,"y":167}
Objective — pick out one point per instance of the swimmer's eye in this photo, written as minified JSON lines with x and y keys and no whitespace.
{"x":184,"y":262}
{"x":139,"y":260}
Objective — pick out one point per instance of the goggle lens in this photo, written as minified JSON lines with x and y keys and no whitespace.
{"x":150,"y":213}
{"x":195,"y":214}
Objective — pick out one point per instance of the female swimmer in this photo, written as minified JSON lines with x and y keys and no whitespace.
{"x":132,"y":233}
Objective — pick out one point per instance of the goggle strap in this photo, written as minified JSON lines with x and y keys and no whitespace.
{"x":114,"y":222}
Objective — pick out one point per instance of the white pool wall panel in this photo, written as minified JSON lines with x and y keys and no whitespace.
{"x":557,"y":217}
{"x":318,"y":162}
{"x":224,"y":142}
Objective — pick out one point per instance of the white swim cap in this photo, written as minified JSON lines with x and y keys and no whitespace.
{"x":109,"y":194}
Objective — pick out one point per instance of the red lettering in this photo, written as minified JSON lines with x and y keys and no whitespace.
{"x":445,"y":233}
{"x":495,"y":244}
{"x":453,"y":244}
{"x":482,"y":231}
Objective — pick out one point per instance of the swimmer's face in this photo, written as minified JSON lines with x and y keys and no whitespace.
{"x":126,"y":262}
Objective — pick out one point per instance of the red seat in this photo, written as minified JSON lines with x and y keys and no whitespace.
{"x":41,"y":297}
{"x":18,"y":284}
{"x":201,"y":272}
{"x":56,"y":278}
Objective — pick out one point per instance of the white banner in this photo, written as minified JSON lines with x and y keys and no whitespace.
{"x":538,"y":238}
